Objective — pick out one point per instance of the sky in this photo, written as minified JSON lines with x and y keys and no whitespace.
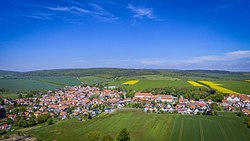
{"x":151,"y":34}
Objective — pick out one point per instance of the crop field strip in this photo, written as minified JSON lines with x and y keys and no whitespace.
{"x":222,"y":131}
{"x":146,"y":126}
{"x":181,"y":130}
{"x":218,"y":87}
{"x":195,"y":83}
{"x":172,"y":131}
{"x":131,"y":82}
{"x":201,"y":131}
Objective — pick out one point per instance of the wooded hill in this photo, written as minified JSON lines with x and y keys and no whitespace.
{"x":118,"y":72}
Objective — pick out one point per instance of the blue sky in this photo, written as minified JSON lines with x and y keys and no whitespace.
{"x":161,"y":34}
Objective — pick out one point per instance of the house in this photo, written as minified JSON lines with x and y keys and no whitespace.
{"x":108,"y":110}
{"x":37,"y":113}
{"x":209,"y":101}
{"x":5,"y":126}
{"x":165,"y":98}
{"x":188,"y":111}
{"x":225,"y":103}
{"x":182,"y":100}
{"x":96,"y":111}
{"x":63,"y":115}
{"x":246,"y":111}
{"x":233,"y":98}
{"x":11,"y":116}
{"x":146,"y":96}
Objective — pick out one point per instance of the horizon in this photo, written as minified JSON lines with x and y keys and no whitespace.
{"x":124,"y":69}
{"x":69,"y":34}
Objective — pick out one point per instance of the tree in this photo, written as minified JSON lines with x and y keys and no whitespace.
{"x":20,"y":122}
{"x":42,"y":118}
{"x":20,"y":96}
{"x":2,"y":132}
{"x":25,"y":124}
{"x":15,"y":104}
{"x":2,"y":102}
{"x":89,"y":116}
{"x":32,"y":122}
{"x":50,"y":121}
{"x":123,"y":135}
{"x":29,"y":95}
{"x":2,"y":113}
{"x":94,"y":136}
{"x":22,"y":108}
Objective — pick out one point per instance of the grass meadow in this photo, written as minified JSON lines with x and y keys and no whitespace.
{"x":149,"y":126}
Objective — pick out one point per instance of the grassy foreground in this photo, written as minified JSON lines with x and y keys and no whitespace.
{"x":144,"y":126}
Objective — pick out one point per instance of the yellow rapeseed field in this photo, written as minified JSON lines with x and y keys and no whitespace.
{"x":131,"y":82}
{"x":218,"y":87}
{"x":247,"y":80}
{"x":194,"y":83}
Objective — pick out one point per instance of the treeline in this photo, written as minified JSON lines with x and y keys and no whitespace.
{"x":101,"y":72}
{"x":118,"y":72}
{"x":189,"y":93}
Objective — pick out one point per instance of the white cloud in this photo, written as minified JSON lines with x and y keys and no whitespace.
{"x":141,"y":12}
{"x":230,"y":56}
{"x":234,"y":61}
{"x":224,"y":6}
{"x":94,"y":10}
{"x":70,"y":9}
{"x":101,"y":13}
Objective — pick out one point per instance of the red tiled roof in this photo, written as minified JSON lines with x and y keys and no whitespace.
{"x":143,"y":94}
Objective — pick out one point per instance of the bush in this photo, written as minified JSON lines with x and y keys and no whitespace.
{"x":2,"y":132}
{"x":240,"y":114}
{"x":25,"y":124}
{"x":94,"y":136}
{"x":123,"y":135}
{"x":32,"y":122}
{"x":42,"y":118}
{"x":50,"y":121}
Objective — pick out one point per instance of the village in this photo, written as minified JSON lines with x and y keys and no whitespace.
{"x":85,"y":103}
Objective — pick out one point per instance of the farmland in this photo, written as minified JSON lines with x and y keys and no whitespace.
{"x":195,"y":83}
{"x":51,"y":79}
{"x":218,"y":87}
{"x":239,"y":86}
{"x":92,"y":80}
{"x":144,"y":84}
{"x":131,"y":82}
{"x":36,"y":83}
{"x":148,"y":126}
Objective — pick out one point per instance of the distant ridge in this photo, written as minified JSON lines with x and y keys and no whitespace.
{"x":119,"y":72}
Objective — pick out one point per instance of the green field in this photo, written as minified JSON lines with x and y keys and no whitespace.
{"x":58,"y":80}
{"x":92,"y":80}
{"x":154,"y":77}
{"x":37,"y":83}
{"x":9,"y":95}
{"x":148,"y":127}
{"x":144,"y":84}
{"x":238,"y":86}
